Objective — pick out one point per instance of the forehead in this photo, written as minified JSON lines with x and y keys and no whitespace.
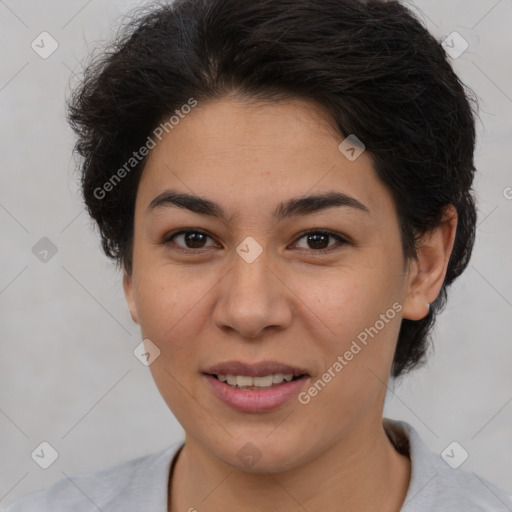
{"x":252,"y":155}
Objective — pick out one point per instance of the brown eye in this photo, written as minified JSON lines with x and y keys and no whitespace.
{"x":318,"y":241}
{"x":191,"y":239}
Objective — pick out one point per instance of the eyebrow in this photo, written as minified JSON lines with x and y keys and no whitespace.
{"x":289,"y":208}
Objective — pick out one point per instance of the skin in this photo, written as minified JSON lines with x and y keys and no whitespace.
{"x":291,"y":304}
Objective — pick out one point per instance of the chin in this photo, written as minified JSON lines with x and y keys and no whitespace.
{"x":262,"y":454}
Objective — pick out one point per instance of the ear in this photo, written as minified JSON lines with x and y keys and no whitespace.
{"x":426,"y":274}
{"x":128,"y":292}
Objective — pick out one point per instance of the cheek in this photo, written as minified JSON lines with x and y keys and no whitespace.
{"x":361,"y":308}
{"x":174,"y":306}
{"x":164,"y":299}
{"x":350,"y":299}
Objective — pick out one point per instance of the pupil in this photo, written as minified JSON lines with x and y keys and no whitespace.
{"x":193,"y":239}
{"x":314,"y":239}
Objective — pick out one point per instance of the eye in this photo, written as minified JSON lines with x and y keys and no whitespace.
{"x":192,"y":238}
{"x":318,"y":239}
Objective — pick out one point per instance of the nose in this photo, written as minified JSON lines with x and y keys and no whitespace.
{"x":253,"y":298}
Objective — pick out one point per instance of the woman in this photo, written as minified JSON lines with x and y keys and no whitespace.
{"x":287,"y":188}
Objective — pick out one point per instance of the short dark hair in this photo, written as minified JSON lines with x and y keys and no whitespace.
{"x":373,"y":64}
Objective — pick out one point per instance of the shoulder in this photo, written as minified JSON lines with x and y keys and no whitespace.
{"x":137,"y":484}
{"x":436,"y":486}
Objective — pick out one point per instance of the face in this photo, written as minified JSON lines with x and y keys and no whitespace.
{"x":298,"y":287}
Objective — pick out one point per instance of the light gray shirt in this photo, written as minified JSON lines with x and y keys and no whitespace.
{"x":140,"y":485}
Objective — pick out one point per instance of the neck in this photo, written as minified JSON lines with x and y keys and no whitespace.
{"x":362,"y":471}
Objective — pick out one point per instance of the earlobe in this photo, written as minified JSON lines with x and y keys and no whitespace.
{"x":128,"y":292}
{"x":428,"y":271}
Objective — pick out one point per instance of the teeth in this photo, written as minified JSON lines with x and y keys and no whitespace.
{"x":241,"y":380}
{"x":244,"y":381}
{"x":277,"y":378}
{"x":263,"y":382}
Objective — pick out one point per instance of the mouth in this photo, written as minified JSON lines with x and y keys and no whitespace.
{"x":257,"y":383}
{"x":255,"y":388}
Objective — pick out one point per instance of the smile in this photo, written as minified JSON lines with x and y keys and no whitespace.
{"x":255,"y":394}
{"x":247,"y":382}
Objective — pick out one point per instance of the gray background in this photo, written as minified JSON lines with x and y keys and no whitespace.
{"x":67,"y":372}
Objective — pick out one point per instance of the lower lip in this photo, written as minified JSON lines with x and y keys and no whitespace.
{"x":258,"y":400}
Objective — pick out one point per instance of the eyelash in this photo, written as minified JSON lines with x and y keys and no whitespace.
{"x":168,"y":239}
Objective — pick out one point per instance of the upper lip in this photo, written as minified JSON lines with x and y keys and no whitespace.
{"x":254,"y":369}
